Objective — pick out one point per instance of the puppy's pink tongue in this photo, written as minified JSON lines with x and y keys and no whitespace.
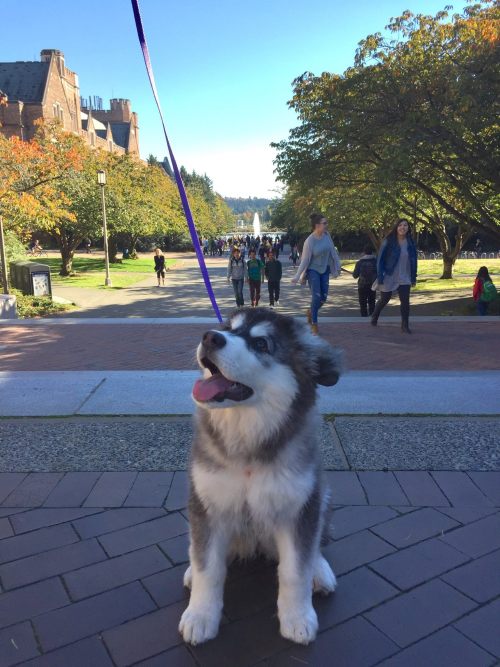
{"x":205,"y":390}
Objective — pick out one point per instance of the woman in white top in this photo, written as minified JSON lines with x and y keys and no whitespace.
{"x":319,"y":259}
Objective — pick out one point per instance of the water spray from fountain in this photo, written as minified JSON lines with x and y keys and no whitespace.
{"x":256,"y":225}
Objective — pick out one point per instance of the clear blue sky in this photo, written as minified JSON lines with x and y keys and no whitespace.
{"x":223,"y":69}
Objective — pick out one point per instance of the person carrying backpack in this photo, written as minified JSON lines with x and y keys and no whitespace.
{"x":236,"y":273}
{"x":366,"y":273}
{"x":484,"y":291}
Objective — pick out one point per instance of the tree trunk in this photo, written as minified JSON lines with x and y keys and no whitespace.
{"x":67,"y":245}
{"x":112,"y":249}
{"x":376,"y":242}
{"x":448,"y":263}
{"x":66,"y":260}
{"x":450,"y":250}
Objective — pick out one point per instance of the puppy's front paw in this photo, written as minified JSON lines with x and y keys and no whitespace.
{"x":199,"y":625}
{"x":324,"y":580}
{"x":300,"y":628}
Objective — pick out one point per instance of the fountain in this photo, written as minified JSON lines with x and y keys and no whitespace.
{"x":256,"y":225}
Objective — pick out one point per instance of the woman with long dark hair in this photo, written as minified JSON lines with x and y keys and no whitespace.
{"x":397,"y":271}
{"x":484,"y":292}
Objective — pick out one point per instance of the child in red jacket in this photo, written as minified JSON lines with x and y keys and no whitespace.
{"x":483,"y":291}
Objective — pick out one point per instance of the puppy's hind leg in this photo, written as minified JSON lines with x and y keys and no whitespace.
{"x":324,"y":580}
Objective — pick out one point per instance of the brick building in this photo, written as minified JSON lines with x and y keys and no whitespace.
{"x":48,"y":90}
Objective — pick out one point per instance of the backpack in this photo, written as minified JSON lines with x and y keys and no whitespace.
{"x":489,"y":292}
{"x":367,"y":272}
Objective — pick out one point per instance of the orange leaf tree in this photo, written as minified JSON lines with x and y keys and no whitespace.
{"x":29,"y":173}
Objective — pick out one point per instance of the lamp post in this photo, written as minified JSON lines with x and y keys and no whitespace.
{"x":3,"y":260}
{"x":101,"y":180}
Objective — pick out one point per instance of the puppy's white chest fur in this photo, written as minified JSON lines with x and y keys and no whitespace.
{"x":269,"y":492}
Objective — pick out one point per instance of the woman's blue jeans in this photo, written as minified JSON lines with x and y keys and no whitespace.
{"x":238,"y":291}
{"x":318,"y":283}
{"x":482,"y":307}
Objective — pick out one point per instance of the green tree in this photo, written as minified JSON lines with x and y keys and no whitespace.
{"x":415,"y":117}
{"x":84,"y":219}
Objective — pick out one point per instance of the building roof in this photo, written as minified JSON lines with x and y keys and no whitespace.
{"x":24,"y":81}
{"x":97,"y":123}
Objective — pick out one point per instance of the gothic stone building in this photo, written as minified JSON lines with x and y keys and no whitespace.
{"x":48,"y":90}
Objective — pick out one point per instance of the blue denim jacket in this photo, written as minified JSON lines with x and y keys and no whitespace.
{"x":388,"y":258}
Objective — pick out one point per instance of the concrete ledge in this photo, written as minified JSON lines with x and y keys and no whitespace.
{"x":8,"y":309}
{"x":64,"y":393}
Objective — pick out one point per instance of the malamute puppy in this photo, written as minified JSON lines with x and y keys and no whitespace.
{"x":255,"y":471}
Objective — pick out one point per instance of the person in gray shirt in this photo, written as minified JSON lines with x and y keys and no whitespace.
{"x":236,"y":274}
{"x":320,"y":259}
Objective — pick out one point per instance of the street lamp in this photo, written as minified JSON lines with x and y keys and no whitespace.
{"x":101,"y":180}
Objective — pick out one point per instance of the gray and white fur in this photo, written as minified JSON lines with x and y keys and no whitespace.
{"x":255,"y":471}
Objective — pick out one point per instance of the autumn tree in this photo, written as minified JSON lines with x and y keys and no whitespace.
{"x":29,"y":175}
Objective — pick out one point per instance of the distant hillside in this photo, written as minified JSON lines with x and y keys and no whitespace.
{"x":243,"y":205}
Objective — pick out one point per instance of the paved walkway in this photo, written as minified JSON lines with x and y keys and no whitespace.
{"x":91,"y":569}
{"x":184,"y":295}
{"x":93,"y":531}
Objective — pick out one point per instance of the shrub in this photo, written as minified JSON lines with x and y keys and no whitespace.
{"x":37,"y":306}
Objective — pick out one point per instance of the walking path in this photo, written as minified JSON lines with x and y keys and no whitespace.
{"x":93,"y":531}
{"x":184,"y":294}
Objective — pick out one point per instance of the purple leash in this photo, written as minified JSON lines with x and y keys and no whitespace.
{"x":178,"y":179}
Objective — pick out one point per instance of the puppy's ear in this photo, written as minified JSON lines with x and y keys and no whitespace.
{"x":327,"y":362}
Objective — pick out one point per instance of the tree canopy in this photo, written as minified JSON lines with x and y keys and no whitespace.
{"x":410,"y":128}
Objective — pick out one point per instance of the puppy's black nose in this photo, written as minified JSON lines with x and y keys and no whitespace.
{"x":213,"y":340}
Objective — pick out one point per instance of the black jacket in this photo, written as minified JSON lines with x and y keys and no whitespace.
{"x":273,"y":270}
{"x":365,"y":270}
{"x":159,"y":262}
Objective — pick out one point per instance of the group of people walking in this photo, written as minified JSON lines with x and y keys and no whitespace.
{"x":393,"y":270}
{"x":254,"y":271}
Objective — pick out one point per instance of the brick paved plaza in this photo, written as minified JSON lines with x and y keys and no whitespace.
{"x":91,"y":566}
{"x":93,"y":525}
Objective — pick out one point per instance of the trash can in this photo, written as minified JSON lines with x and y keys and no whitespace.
{"x":126,"y":253}
{"x":31,"y":278}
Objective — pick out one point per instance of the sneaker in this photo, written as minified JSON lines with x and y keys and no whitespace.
{"x":277,"y":302}
{"x":309,"y":316}
{"x":314,"y":329}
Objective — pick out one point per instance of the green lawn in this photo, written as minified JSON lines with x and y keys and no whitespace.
{"x":464,"y":273}
{"x":464,"y":267}
{"x":89,"y":271}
